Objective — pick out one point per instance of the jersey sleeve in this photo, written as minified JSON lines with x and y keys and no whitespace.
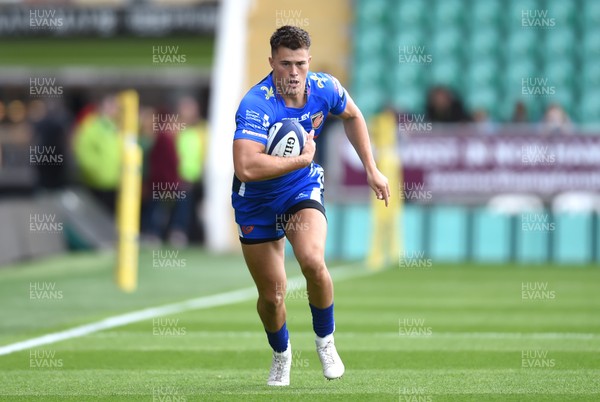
{"x":252,"y":120}
{"x":337,"y":95}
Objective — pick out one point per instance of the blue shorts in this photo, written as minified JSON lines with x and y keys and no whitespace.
{"x":263,"y":219}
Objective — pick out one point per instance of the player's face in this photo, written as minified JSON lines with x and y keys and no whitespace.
{"x":290,"y":68}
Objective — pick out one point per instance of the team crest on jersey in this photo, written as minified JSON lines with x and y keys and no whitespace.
{"x":247,"y":229}
{"x":268,"y":92}
{"x":317,"y":120}
{"x":320,"y":80}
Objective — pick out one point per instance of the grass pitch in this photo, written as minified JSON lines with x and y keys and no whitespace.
{"x":101,"y":52}
{"x":439,"y":333}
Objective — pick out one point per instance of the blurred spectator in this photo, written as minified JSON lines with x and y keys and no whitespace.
{"x":51,"y":126}
{"x":98,"y":152}
{"x":519,"y":113}
{"x":444,"y":107}
{"x":556,"y":121}
{"x":191,"y":145}
{"x":163,"y":178}
{"x":146,"y":141}
{"x":483,"y":123}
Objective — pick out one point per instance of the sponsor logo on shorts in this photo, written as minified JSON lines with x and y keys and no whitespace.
{"x":301,"y":195}
{"x":247,"y":229}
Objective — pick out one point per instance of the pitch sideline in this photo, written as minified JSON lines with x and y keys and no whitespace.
{"x":221,"y":299}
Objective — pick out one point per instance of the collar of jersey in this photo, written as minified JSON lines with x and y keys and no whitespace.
{"x":279,"y":97}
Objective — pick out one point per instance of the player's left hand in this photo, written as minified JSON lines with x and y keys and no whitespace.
{"x":379,"y":183}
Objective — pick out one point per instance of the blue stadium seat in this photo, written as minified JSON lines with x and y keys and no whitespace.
{"x":590,"y":106}
{"x":520,"y":44}
{"x":532,"y":247}
{"x":485,"y":14}
{"x":406,"y":87}
{"x":334,"y":231}
{"x":491,"y":236}
{"x":408,"y":98}
{"x":482,"y":72}
{"x":412,"y":229}
{"x":369,"y":98}
{"x":516,"y":72}
{"x":483,"y":43}
{"x":559,"y":44}
{"x":355,"y":232}
{"x":407,"y":73}
{"x":371,"y":13}
{"x":590,"y":44}
{"x":448,"y":13}
{"x":564,"y":12}
{"x":408,"y":13}
{"x":513,"y":13}
{"x":483,"y":97}
{"x":573,"y":238}
{"x":589,"y":77}
{"x":590,"y":16}
{"x":410,"y":36}
{"x":448,"y":234}
{"x":446,"y":70}
{"x":446,"y":42}
{"x":370,"y":44}
{"x":562,"y":72}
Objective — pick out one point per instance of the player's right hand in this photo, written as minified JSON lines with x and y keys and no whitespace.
{"x":310,"y":147}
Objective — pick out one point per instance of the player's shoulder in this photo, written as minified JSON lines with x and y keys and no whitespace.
{"x":324,"y":84}
{"x":261,"y":95}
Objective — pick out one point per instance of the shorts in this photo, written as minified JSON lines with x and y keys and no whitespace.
{"x":263,"y":219}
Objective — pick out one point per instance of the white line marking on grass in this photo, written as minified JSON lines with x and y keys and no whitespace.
{"x":205,"y":302}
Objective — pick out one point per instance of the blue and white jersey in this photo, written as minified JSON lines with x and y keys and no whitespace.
{"x":262,"y":107}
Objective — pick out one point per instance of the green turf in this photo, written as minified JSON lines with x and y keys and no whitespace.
{"x":100,"y":52}
{"x":474,"y":324}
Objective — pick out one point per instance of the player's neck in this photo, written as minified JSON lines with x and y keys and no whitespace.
{"x":295,"y":101}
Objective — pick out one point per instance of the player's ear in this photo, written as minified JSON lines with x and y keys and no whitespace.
{"x":271,"y":62}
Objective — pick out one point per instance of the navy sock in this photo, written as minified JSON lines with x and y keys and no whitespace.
{"x":278,"y":340}
{"x":323,"y":323}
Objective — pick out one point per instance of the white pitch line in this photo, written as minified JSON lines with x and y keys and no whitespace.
{"x":221,"y":299}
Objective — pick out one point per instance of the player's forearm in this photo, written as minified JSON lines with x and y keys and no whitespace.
{"x":357,"y":133}
{"x":261,"y":166}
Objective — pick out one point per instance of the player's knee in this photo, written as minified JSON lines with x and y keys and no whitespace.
{"x":272,"y":301}
{"x":311,"y":263}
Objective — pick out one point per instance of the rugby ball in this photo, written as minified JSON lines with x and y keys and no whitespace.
{"x":286,"y":138}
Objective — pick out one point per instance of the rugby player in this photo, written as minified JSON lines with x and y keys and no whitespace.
{"x":275,"y":196}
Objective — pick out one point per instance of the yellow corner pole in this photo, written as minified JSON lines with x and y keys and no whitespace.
{"x":130,"y":193}
{"x":385,"y":234}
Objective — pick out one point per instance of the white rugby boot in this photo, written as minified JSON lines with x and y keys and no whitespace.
{"x":279,"y":375}
{"x":330,"y":359}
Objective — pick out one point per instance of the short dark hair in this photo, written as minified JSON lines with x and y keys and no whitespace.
{"x":291,"y":37}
